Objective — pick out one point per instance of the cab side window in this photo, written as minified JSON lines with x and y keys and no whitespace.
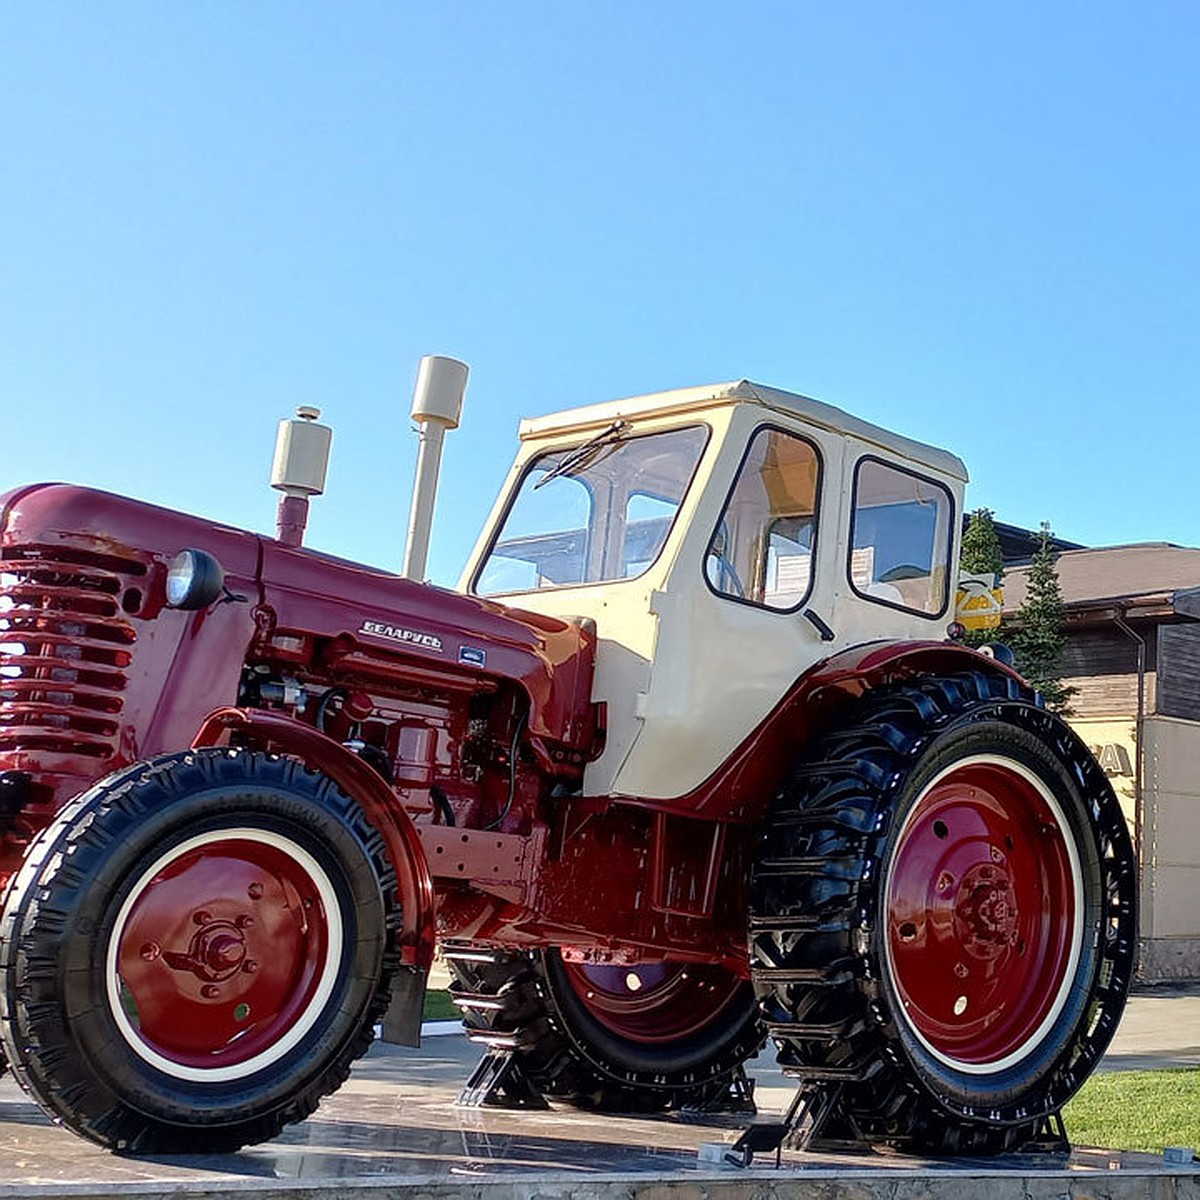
{"x":762,"y":549}
{"x":900,"y":538}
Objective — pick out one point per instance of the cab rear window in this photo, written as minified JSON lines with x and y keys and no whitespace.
{"x":900,"y":538}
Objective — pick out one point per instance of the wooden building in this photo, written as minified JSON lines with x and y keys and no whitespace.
{"x":1133,"y":654}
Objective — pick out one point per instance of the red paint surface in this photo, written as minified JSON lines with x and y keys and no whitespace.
{"x":654,"y":1003}
{"x":222,"y":952}
{"x":435,"y":688}
{"x":981,"y":909}
{"x":413,"y":881}
{"x":107,"y":675}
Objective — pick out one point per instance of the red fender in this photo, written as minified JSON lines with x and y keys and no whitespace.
{"x":414,"y":881}
{"x":859,"y":668}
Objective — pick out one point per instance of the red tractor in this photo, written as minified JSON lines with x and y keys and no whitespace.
{"x":689,"y":761}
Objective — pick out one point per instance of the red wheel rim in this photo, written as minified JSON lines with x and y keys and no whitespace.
{"x":224,"y":954}
{"x":653,"y":1002}
{"x":984,"y":914}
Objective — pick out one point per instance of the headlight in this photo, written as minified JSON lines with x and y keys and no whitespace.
{"x":194,"y":580}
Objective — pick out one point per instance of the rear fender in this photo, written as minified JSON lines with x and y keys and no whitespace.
{"x":414,"y":882}
{"x":851,"y":672}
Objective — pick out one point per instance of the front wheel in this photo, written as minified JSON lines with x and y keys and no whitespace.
{"x":943,"y":915}
{"x":195,"y":952}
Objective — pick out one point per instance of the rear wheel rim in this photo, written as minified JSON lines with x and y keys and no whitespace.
{"x":653,"y":1002}
{"x":984,"y":911}
{"x":224,"y":954}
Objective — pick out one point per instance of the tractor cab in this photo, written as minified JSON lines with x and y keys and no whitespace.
{"x":724,"y":539}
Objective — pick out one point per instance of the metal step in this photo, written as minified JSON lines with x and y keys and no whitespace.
{"x":834,"y":1031}
{"x":509,"y":1040}
{"x":464,"y":954}
{"x":835,"y":973}
{"x":476,"y":1003}
{"x":801,"y":923}
{"x":855,"y":1073}
{"x":845,"y":868}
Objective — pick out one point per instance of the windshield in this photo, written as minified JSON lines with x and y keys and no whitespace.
{"x":594,"y":516}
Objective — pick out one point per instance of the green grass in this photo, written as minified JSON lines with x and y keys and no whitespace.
{"x":1136,"y":1110}
{"x":439,"y":1008}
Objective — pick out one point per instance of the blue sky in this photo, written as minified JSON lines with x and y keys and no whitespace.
{"x":975,"y":225}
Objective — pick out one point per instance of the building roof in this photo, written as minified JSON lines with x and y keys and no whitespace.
{"x":1018,"y":544}
{"x":1109,"y":575}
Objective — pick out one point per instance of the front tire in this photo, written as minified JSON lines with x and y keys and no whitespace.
{"x":195,"y":951}
{"x":943,"y":915}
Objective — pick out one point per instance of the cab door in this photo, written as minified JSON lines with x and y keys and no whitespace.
{"x":749,"y":605}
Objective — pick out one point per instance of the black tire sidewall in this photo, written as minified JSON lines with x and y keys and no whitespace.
{"x":970,"y":1091}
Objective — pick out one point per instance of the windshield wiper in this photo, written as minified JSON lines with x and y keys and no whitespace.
{"x":582,"y":456}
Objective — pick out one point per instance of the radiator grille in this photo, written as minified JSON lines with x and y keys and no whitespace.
{"x":66,"y":645}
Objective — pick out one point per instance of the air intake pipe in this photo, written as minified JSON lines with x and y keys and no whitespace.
{"x":301,"y":461}
{"x":436,"y":407}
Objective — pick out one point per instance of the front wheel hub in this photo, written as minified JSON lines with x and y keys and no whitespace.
{"x":204,"y":989}
{"x":216,"y":953}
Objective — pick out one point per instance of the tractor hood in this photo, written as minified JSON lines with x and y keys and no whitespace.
{"x":305,"y":603}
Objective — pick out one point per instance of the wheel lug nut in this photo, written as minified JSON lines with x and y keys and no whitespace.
{"x":201,"y":916}
{"x":244,"y":922}
{"x":150,"y":951}
{"x":255,"y":891}
{"x":249,"y":966}
{"x":210,"y":991}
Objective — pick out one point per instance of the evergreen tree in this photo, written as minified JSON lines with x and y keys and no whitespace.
{"x":981,"y":546}
{"x":981,"y":555}
{"x":1038,"y":641}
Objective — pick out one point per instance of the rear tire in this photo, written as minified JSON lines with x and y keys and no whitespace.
{"x":586,"y":1036}
{"x":195,"y":951}
{"x":942,"y":915}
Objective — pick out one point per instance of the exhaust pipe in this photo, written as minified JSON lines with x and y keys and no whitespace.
{"x":436,"y":407}
{"x":301,"y":461}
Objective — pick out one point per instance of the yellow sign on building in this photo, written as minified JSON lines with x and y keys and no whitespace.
{"x":980,"y":602}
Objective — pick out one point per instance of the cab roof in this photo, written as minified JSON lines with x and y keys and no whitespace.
{"x":743,"y":391}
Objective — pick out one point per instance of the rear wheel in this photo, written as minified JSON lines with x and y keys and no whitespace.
{"x":195,"y":952}
{"x":942,"y":915}
{"x":642,"y":1037}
